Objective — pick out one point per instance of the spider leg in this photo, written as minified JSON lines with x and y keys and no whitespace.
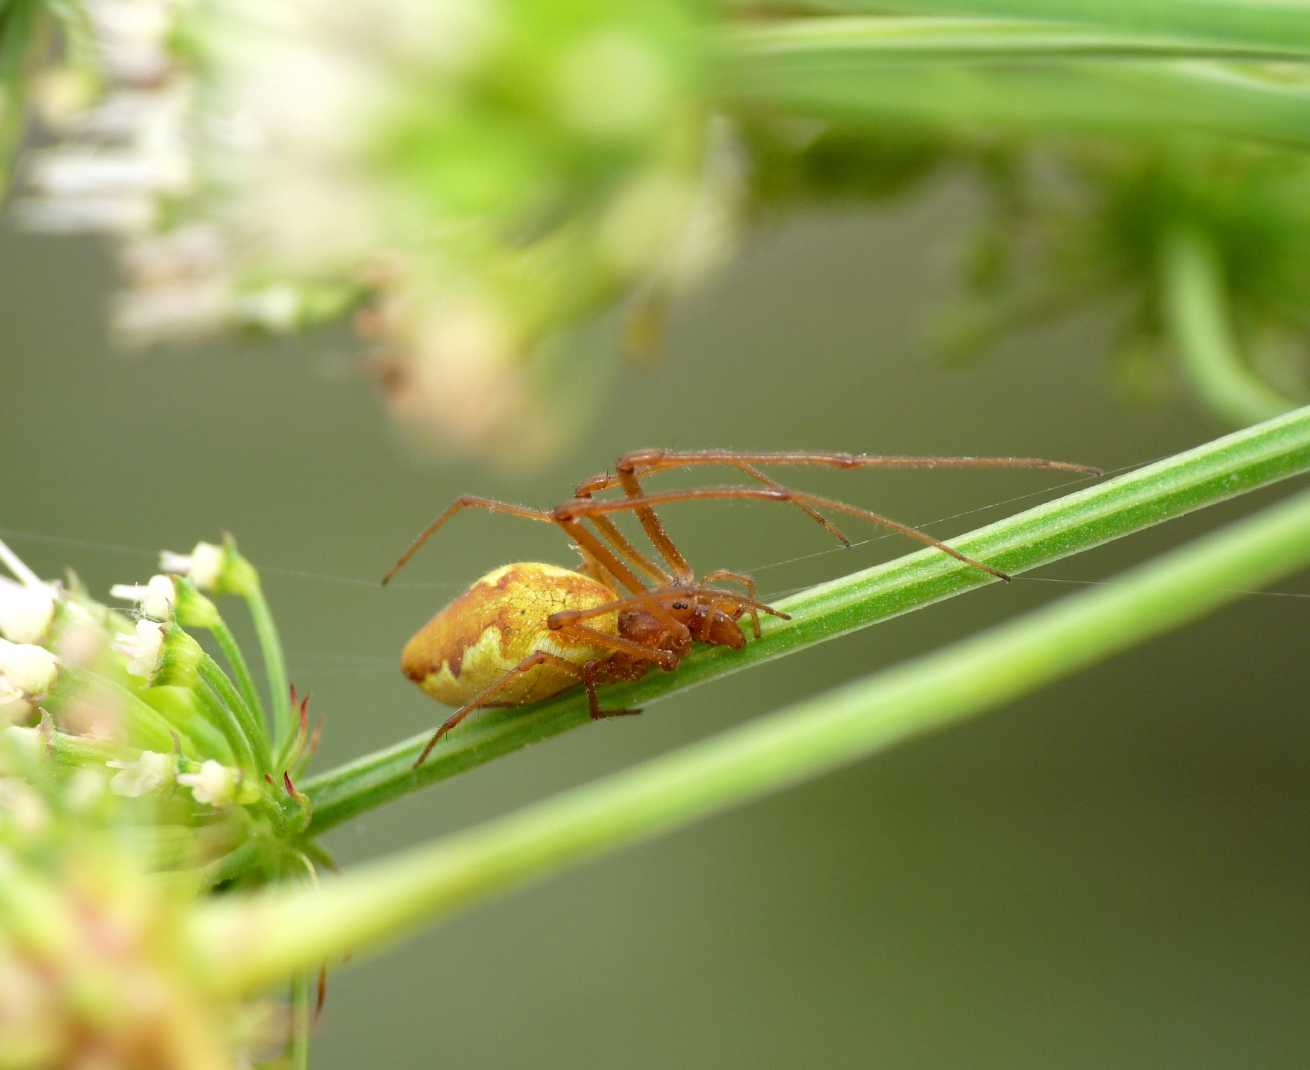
{"x":587,"y":675}
{"x":646,"y":462}
{"x":586,"y":541}
{"x":479,"y":701}
{"x":620,"y":542}
{"x":654,"y":460}
{"x":663,"y":658}
{"x":590,"y":506}
{"x":464,"y":501}
{"x":747,"y":583}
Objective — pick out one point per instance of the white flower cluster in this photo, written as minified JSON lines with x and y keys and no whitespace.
{"x":124,"y":150}
{"x":211,"y":783}
{"x":117,"y":157}
{"x":27,"y":609}
{"x":27,"y":672}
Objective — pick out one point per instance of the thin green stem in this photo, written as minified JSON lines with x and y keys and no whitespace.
{"x":270,"y":646}
{"x":920,"y":40}
{"x":1173,"y":487}
{"x":240,"y":670}
{"x":147,"y":727}
{"x":1195,"y":304}
{"x":1275,"y":26}
{"x":181,"y":707}
{"x":1124,"y":96}
{"x":223,"y":717}
{"x":252,"y":729}
{"x":65,"y":748}
{"x":301,"y":1012}
{"x":253,"y":940}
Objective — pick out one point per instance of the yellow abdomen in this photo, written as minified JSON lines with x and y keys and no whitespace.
{"x":498,"y":622}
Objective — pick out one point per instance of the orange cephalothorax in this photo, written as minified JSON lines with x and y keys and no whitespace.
{"x":499,"y":621}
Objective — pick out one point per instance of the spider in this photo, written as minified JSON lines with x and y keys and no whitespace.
{"x":527,"y":631}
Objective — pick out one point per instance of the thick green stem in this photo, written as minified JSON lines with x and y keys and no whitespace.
{"x":1181,"y":484}
{"x":254,"y":940}
{"x":1195,"y":307}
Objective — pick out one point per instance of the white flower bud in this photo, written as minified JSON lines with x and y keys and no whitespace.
{"x":155,"y":598}
{"x":214,"y":784}
{"x":150,"y":772}
{"x":25,"y":611}
{"x":144,"y":650}
{"x":27,"y":669}
{"x":204,"y":564}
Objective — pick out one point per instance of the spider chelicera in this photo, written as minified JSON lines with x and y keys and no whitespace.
{"x":527,"y":631}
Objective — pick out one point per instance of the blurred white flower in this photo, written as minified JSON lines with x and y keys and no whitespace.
{"x":149,"y":772}
{"x":214,"y":784}
{"x":28,"y":669}
{"x":21,"y":805}
{"x":155,"y":599}
{"x":203,"y":565}
{"x":25,"y":610}
{"x":85,"y":789}
{"x":144,"y":649}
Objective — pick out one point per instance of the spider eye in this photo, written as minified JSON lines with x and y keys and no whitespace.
{"x":679,"y":605}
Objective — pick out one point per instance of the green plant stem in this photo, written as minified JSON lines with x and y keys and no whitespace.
{"x":890,"y":39}
{"x":1137,"y":97}
{"x":270,"y":646}
{"x":301,"y":1011}
{"x":240,"y":670}
{"x":252,"y":729}
{"x":65,"y":748}
{"x":147,"y":727}
{"x":223,"y":717}
{"x":1173,"y":487}
{"x":181,"y":707}
{"x":1195,"y":300}
{"x":255,"y":940}
{"x":1273,"y":25}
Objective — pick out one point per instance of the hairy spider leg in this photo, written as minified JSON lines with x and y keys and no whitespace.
{"x":649,"y":461}
{"x":585,"y":674}
{"x":652,"y":460}
{"x":586,"y":541}
{"x":747,"y":583}
{"x":591,"y":506}
{"x":610,"y":530}
{"x":567,"y":618}
{"x":464,"y":501}
{"x":658,"y":534}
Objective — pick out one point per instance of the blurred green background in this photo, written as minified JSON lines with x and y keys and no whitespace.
{"x":1112,"y":872}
